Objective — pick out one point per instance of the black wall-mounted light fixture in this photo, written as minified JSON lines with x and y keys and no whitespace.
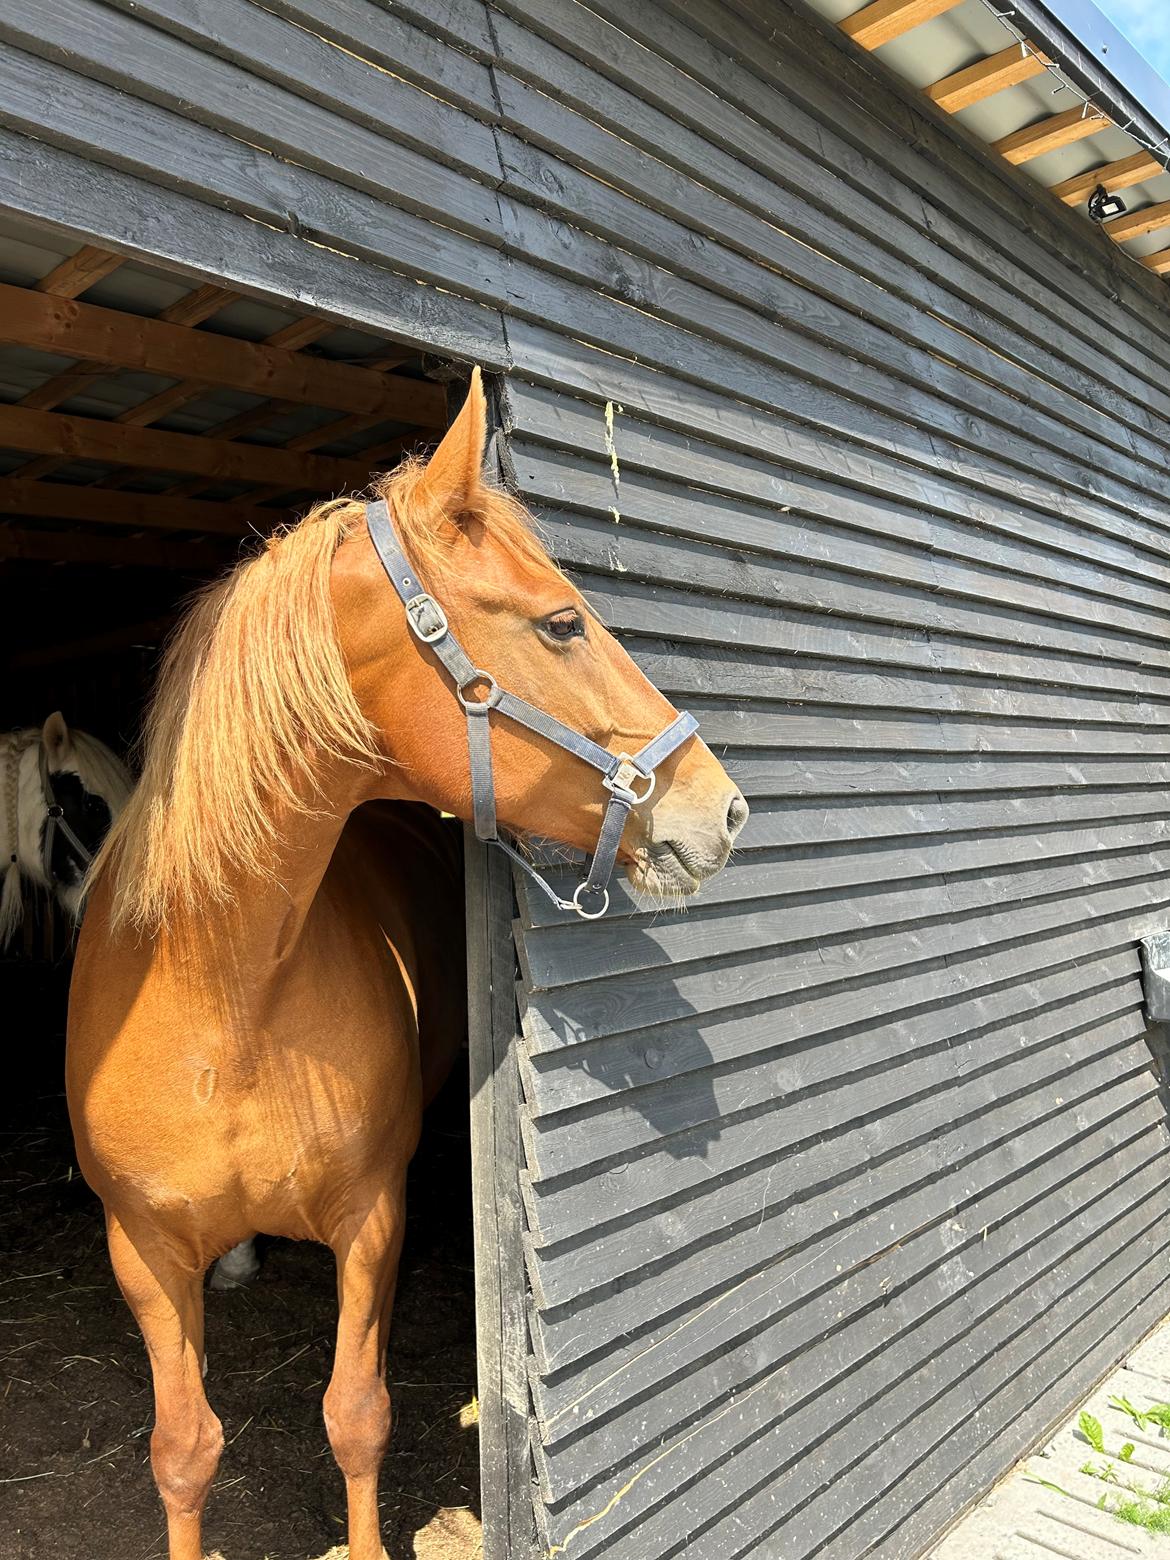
{"x":1102,"y":205}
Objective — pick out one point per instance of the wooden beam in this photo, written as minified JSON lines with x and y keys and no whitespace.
{"x":884,"y":20}
{"x":81,"y":330}
{"x":135,"y":552}
{"x":1050,"y":134}
{"x":88,"y":438}
{"x":128,"y":636}
{"x":1158,"y":262}
{"x":1008,"y":68}
{"x":1136,"y":224}
{"x":191,"y":309}
{"x":1117,"y":175}
{"x":143,"y":511}
{"x":78,"y":272}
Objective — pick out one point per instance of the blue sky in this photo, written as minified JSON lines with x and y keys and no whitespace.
{"x":1146,"y":23}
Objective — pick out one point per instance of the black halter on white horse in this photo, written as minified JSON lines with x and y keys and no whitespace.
{"x":61,"y":790}
{"x":620,"y":773}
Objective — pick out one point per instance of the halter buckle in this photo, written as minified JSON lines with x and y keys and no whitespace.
{"x":426,"y":617}
{"x":622,"y":781}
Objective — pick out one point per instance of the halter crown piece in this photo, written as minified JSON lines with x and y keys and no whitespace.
{"x":621,"y":774}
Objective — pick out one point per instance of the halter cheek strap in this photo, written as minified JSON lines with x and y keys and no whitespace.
{"x":629,"y":779}
{"x":55,"y":822}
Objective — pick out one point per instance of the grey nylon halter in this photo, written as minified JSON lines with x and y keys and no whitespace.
{"x":56,"y":821}
{"x":620,"y":773}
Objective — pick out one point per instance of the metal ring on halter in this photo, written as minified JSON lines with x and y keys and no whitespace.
{"x":479,"y":706}
{"x":589,"y":915}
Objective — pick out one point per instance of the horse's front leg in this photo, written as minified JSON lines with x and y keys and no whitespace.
{"x":167,"y":1302}
{"x":357,"y":1401}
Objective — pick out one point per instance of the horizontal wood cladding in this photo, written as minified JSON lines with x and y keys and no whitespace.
{"x":838,"y":1188}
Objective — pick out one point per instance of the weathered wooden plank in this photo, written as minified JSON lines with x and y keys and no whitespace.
{"x":659,"y":499}
{"x":613,"y":1128}
{"x":573,"y":1399}
{"x":735,"y":422}
{"x":74,"y":195}
{"x":638,"y":1000}
{"x":408,"y":49}
{"x":972,"y":1367}
{"x":676,"y":1168}
{"x":578,"y":426}
{"x":737,"y":1036}
{"x":705,"y":1264}
{"x":85,"y":331}
{"x":1014,"y":240}
{"x":813,"y":568}
{"x":842,"y":172}
{"x":718,"y":1362}
{"x":759,"y":1412}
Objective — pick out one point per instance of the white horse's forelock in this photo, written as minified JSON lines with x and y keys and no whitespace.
{"x":22,"y":809}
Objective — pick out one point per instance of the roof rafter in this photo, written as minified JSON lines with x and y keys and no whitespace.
{"x":1049,"y":134}
{"x":997,"y":72}
{"x":1117,"y":175}
{"x":883,"y":20}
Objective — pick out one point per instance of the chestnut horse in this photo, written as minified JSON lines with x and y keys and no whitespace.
{"x":245,"y":1021}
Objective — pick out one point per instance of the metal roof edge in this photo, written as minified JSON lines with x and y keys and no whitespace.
{"x":1102,"y":62}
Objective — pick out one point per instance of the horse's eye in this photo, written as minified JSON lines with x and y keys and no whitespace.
{"x":568,"y":624}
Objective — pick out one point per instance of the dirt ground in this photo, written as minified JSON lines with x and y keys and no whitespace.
{"x":75,"y":1400}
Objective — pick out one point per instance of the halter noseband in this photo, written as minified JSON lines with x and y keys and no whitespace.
{"x":620,"y":774}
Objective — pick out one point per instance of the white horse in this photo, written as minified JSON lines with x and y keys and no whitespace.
{"x":59,"y":792}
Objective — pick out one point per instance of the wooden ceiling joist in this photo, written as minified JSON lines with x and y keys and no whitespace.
{"x":115,"y":444}
{"x":1158,"y":262}
{"x":1136,"y":224}
{"x":79,"y":272}
{"x":884,"y":20}
{"x":1048,"y":135}
{"x":80,"y":330}
{"x":1008,"y":68}
{"x":1117,"y":175}
{"x":142,"y":511}
{"x":77,"y":547}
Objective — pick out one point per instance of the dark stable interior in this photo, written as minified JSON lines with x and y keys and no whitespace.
{"x":86,"y":610}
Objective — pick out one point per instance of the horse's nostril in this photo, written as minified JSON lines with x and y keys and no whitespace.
{"x":737,"y":815}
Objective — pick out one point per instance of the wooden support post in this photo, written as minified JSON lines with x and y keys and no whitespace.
{"x":1117,"y":175}
{"x":884,"y":20}
{"x":80,"y":330}
{"x":1049,"y":134}
{"x":1008,"y":68}
{"x":1136,"y":224}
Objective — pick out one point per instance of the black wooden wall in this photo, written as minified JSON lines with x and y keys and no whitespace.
{"x":840,"y":1187}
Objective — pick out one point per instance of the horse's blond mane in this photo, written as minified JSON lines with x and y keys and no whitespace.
{"x":253,"y":700}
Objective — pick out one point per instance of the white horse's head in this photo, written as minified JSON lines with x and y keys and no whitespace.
{"x":59,"y":792}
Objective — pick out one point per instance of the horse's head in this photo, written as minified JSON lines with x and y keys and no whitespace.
{"x":521,"y":620}
{"x":83,"y":788}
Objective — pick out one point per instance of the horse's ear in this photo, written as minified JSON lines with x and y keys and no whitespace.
{"x":454,"y":473}
{"x":55,"y":739}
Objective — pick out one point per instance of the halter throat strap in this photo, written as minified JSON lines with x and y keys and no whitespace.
{"x":629,"y":778}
